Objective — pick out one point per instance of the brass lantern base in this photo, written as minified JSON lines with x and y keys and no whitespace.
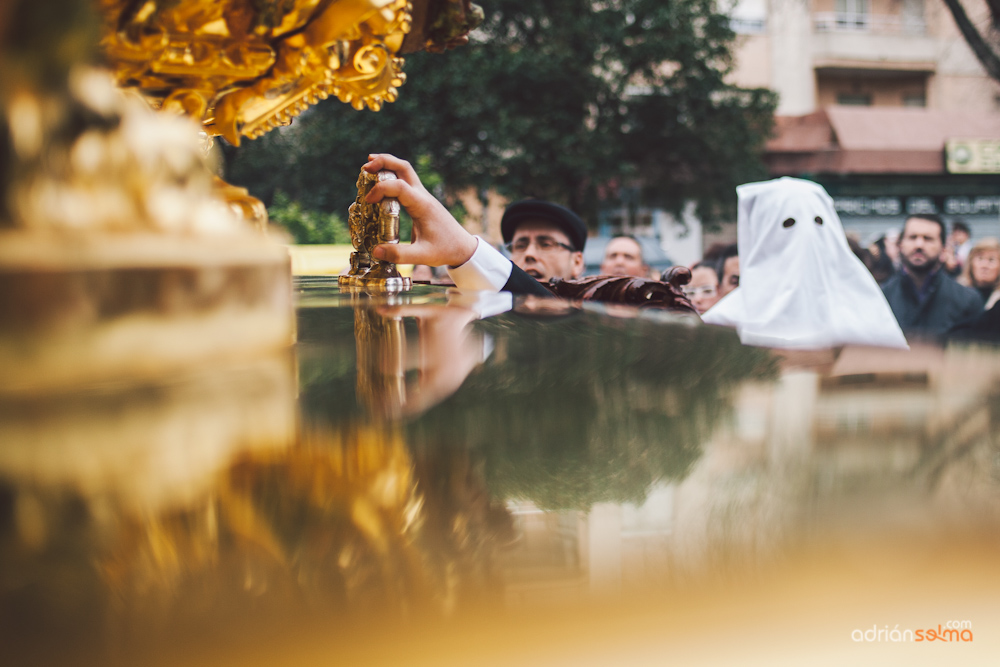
{"x":395,"y":283}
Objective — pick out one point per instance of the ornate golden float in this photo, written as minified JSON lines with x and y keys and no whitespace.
{"x":243,"y":68}
{"x":120,"y":250}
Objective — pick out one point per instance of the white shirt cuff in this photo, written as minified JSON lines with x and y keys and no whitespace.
{"x":487,"y":269}
{"x":483,"y":303}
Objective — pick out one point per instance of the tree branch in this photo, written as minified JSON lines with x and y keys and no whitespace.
{"x":983,"y":51}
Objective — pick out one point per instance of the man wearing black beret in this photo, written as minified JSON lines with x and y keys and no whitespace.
{"x":544,"y":239}
{"x":546,"y":243}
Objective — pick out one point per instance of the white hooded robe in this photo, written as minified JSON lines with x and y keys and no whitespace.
{"x":800,"y":284}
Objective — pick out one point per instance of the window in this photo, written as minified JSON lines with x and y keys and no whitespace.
{"x":854,"y":99}
{"x":913,"y":17}
{"x":748,"y":17}
{"x":914,"y":100}
{"x":852,"y":14}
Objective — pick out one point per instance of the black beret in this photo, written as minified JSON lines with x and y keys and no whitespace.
{"x":536,"y":209}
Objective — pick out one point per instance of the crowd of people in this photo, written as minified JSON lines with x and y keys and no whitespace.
{"x":924,"y":271}
{"x":793,"y":279}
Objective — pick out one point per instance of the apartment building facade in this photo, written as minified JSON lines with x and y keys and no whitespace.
{"x":873,"y":96}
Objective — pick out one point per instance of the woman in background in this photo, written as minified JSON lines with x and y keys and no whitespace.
{"x":982,"y":270}
{"x":703,"y":290}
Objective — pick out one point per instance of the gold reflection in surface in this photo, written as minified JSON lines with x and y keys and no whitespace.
{"x":196,"y":502}
{"x":381,"y":350}
{"x":828,"y":496}
{"x":333,"y":520}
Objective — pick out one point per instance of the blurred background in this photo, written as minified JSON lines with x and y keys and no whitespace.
{"x":643,"y":117}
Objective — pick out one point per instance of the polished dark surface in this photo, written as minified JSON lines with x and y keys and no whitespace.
{"x":549,"y":484}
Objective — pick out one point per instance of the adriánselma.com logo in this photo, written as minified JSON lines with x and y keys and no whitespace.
{"x":952,"y":631}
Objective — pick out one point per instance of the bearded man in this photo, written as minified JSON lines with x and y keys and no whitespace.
{"x":923,"y":297}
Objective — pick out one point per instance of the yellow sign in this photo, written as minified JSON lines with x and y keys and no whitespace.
{"x":972,"y":156}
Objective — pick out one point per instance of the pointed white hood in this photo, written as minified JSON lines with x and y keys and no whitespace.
{"x":800,"y":284}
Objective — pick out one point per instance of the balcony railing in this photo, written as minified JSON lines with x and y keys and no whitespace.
{"x":878,"y":24}
{"x":748,"y":26}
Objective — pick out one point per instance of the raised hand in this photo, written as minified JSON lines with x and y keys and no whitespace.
{"x":438,"y":239}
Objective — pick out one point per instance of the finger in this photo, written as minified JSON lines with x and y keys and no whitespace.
{"x":403,"y":169}
{"x":401,"y":190}
{"x":402,"y":253}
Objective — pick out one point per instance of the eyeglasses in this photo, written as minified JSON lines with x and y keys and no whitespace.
{"x":705,"y":290}
{"x":543,"y":243}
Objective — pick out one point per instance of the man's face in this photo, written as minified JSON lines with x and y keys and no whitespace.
{"x":920,"y":245}
{"x":623,"y":257}
{"x":730,"y":276}
{"x":958,"y":237}
{"x":544,"y":251}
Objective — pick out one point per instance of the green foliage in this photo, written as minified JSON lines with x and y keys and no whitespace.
{"x":307,"y":226}
{"x":434,"y":181}
{"x":569,"y":100}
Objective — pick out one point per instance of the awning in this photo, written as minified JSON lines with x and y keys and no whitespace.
{"x":871,"y":140}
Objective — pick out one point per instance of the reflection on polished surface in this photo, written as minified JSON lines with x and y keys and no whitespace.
{"x":446,"y":478}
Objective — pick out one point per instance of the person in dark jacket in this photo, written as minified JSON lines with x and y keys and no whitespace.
{"x":924,"y":299}
{"x":546,"y":243}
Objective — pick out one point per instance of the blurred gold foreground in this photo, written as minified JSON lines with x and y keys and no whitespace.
{"x":757,"y":510}
{"x":204,"y":462}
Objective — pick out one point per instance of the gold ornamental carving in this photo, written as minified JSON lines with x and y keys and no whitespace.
{"x":371,"y":225}
{"x":243,"y":67}
{"x":82,"y":157}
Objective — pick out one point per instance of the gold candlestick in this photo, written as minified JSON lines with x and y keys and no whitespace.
{"x":372,"y":225}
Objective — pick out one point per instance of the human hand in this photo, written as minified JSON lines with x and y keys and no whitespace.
{"x":449,"y":350}
{"x":437,"y":237}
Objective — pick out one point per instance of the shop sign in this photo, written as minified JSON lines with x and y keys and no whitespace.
{"x":972,"y":156}
{"x":869,"y":207}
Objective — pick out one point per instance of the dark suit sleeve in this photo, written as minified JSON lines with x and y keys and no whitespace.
{"x":521,"y":283}
{"x":986,"y":327}
{"x":975,"y":323}
{"x":975,"y":306}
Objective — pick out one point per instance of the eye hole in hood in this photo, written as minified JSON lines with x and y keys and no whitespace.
{"x":819,"y":220}
{"x":788,"y":223}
